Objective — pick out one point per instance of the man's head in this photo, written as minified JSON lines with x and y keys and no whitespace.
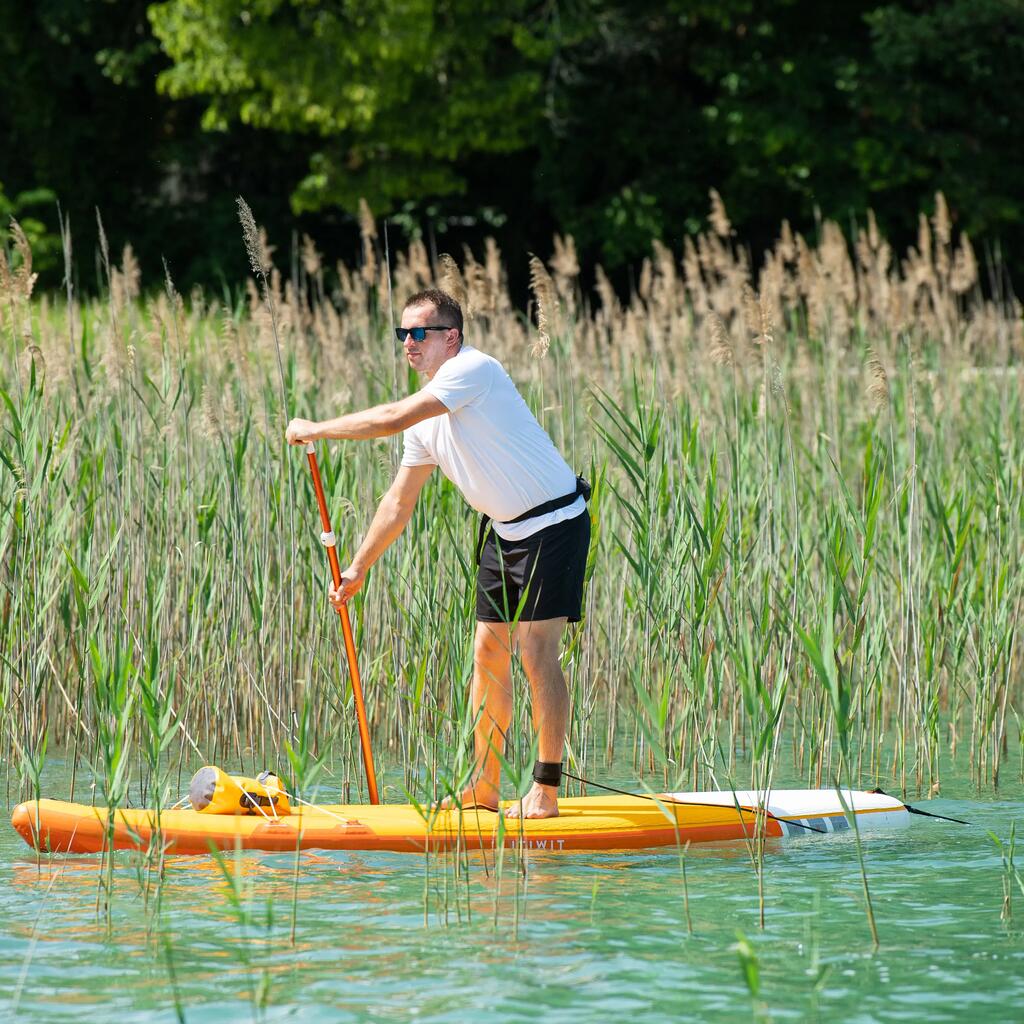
{"x":437,"y":317}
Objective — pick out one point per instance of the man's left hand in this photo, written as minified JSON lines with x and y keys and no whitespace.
{"x":301,"y":431}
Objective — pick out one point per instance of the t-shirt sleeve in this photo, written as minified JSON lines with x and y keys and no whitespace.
{"x":455,"y":386}
{"x":414,"y":451}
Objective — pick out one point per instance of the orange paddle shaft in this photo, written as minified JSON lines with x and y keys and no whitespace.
{"x":346,"y":626}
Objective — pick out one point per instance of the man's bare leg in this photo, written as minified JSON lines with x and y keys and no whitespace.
{"x":491,"y":701}
{"x":539,"y":647}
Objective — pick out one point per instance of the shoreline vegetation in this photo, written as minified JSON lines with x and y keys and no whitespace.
{"x":807,"y":506}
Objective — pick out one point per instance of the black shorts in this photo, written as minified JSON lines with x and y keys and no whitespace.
{"x":539,"y":577}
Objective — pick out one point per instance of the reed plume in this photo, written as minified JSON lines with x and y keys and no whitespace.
{"x":454,"y":284}
{"x":878,"y":383}
{"x":368,"y":236}
{"x":718,"y":218}
{"x":720,"y":350}
{"x":544,"y":301}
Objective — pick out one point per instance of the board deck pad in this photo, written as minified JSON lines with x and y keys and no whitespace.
{"x":584,"y":823}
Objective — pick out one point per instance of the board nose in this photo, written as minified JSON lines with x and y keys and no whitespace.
{"x":24,"y":821}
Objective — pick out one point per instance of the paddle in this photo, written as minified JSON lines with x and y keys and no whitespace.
{"x":329,"y":542}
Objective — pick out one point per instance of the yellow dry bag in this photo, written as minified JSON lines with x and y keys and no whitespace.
{"x":213,"y":791}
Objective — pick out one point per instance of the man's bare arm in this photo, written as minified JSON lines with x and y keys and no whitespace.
{"x":378,"y":421}
{"x":390,"y":519}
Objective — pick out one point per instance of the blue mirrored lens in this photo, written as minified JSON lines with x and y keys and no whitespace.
{"x":418,"y":333}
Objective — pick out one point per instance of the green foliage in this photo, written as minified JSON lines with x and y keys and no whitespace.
{"x":1011,"y":874}
{"x":82,"y":123}
{"x":396,"y":92}
{"x":607,"y":119}
{"x":942,"y":93}
{"x":45,"y":245}
{"x":787,"y":109}
{"x":819,"y":645}
{"x":750,"y":966}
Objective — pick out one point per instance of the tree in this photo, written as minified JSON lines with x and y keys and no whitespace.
{"x":82,"y":123}
{"x":396,"y":94}
{"x":940,"y":98}
{"x":609,"y":119}
{"x":790,"y":108}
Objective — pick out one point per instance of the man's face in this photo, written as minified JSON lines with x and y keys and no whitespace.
{"x":426,"y":356}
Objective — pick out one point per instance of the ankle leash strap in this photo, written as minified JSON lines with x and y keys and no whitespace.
{"x":547,"y":773}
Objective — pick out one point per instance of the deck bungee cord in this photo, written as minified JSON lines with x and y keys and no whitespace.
{"x":213,"y":791}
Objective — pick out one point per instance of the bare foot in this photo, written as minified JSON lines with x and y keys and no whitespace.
{"x":478,"y":795}
{"x":540,"y":802}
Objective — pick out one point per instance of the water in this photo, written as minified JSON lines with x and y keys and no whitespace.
{"x":586,"y":936}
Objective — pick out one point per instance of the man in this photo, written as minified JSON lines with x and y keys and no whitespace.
{"x":470,"y":420}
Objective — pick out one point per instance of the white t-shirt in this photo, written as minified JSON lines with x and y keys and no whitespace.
{"x":491,"y":446}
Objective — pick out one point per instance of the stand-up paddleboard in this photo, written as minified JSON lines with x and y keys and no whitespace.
{"x":584,"y":823}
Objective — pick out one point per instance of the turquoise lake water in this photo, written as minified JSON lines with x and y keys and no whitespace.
{"x":580,"y":937}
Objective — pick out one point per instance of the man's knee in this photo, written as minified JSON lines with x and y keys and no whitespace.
{"x":491,"y":644}
{"x":540,"y":645}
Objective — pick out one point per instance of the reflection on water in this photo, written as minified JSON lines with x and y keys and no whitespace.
{"x":394,"y":937}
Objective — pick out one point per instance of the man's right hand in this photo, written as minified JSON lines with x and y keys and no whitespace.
{"x":351,"y":584}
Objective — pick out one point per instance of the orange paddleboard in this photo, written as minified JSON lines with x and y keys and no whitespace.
{"x":584,"y":823}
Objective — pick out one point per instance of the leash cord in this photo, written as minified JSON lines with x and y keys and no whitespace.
{"x":693,"y":803}
{"x":923,"y":814}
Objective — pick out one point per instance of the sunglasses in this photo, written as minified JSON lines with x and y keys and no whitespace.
{"x":418,"y":333}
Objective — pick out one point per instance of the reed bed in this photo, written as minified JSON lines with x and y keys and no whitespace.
{"x":807,"y":512}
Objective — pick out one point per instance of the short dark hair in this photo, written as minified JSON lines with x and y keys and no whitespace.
{"x":446,"y":306}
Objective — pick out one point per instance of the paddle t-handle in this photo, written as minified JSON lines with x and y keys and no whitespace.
{"x":329,"y":541}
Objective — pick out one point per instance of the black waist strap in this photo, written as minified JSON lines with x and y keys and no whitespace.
{"x":582,"y":491}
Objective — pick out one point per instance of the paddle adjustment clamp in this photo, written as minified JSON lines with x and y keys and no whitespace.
{"x":547,"y":773}
{"x":328,"y":539}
